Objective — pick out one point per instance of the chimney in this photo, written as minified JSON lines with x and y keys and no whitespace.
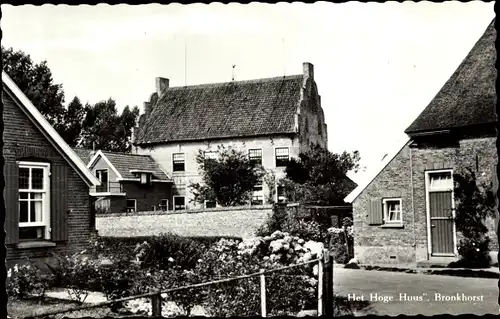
{"x":161,"y":85}
{"x":308,"y":70}
{"x":92,"y":153}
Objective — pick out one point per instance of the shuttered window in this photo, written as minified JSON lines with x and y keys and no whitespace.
{"x":34,"y":201}
{"x":375,"y":214}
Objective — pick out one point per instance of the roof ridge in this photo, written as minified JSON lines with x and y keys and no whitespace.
{"x":127,"y":154}
{"x":215,"y":84}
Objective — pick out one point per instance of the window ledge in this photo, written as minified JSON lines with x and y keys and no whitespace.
{"x":35,"y":244}
{"x":392,"y":226}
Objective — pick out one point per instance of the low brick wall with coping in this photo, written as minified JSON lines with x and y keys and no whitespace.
{"x":241,"y":221}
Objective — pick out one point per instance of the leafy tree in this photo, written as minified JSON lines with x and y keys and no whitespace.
{"x":228,"y":179}
{"x":35,"y":81}
{"x":474,"y":202}
{"x":73,"y":122}
{"x":105,"y":129}
{"x":319,"y":176}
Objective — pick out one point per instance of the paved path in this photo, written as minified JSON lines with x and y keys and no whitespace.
{"x":362,"y":283}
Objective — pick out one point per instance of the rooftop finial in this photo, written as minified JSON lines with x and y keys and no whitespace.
{"x":232,"y":78}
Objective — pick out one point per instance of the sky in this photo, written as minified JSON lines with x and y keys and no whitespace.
{"x":376,"y":65}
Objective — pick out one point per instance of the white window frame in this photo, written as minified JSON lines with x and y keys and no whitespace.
{"x":258,"y":194}
{"x":386,"y":212}
{"x":45,"y":196}
{"x":256,"y":149}
{"x":145,"y":178}
{"x":135,"y":204}
{"x":276,"y":155}
{"x":100,"y":179}
{"x":184,"y":161}
{"x":185,"y":206}
{"x":166,"y":206}
{"x":428,"y":190}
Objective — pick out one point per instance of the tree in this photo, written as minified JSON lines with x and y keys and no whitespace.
{"x":474,"y":201}
{"x":35,"y":81}
{"x":228,"y":179}
{"x":319,"y":176}
{"x":104,"y":129}
{"x":73,"y":122}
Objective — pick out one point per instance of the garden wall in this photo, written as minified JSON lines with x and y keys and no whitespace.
{"x":240,"y":222}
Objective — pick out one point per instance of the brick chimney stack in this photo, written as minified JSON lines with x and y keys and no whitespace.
{"x":308,"y":70}
{"x":161,"y":85}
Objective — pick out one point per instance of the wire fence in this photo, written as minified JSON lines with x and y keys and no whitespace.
{"x":256,"y":294}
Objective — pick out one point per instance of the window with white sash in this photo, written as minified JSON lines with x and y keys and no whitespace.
{"x":34,"y":200}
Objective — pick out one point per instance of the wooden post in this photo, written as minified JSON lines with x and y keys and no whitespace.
{"x":327,"y":301}
{"x":263,"y":293}
{"x":321,"y":264}
{"x":156,"y":304}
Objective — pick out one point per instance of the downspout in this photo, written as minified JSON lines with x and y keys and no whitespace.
{"x":413,"y":201}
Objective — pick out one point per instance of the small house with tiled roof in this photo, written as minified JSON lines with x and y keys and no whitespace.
{"x":270,"y":119}
{"x":404,"y":213}
{"x":129,"y":182}
{"x":47,"y":203}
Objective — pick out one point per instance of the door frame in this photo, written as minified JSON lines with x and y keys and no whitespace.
{"x":428,"y":215}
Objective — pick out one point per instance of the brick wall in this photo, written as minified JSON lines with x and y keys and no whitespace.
{"x":20,"y":132}
{"x":222,"y":221}
{"x":375,"y":244}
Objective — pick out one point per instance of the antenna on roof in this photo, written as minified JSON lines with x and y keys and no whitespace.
{"x":185,"y":64}
{"x":232,"y":78}
{"x":284,"y":61}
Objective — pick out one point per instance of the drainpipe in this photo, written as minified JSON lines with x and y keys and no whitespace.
{"x":413,"y":201}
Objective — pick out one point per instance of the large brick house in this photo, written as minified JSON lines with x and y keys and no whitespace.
{"x":129,"y":182}
{"x":270,"y":119}
{"x":46,"y":184}
{"x":404,"y":213}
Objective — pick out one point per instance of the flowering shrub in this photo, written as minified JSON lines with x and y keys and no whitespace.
{"x":25,"y":280}
{"x":339,"y":244}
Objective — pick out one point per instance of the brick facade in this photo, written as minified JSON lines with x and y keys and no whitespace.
{"x":408,"y":245}
{"x":20,"y":134}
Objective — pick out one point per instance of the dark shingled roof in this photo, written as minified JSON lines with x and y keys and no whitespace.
{"x":239,"y":108}
{"x":468,"y":97}
{"x":124,"y":162}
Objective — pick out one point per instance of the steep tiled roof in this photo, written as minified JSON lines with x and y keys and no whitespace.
{"x":126,"y":162}
{"x":239,"y":108}
{"x":469,"y":96}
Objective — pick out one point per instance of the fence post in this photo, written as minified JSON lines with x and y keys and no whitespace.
{"x":263,"y":293}
{"x":328,"y":301}
{"x":321,"y":264}
{"x":156,"y":304}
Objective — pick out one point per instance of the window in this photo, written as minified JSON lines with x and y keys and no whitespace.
{"x":164,"y":204}
{"x":34,"y":206}
{"x":102,"y":176}
{"x":258,"y":195}
{"x":281,"y":194}
{"x":255,"y":156}
{"x":131,"y":205}
{"x":145,"y":178}
{"x":179,"y":202}
{"x":210,"y":204}
{"x":282,"y":156}
{"x":440,"y":181}
{"x":392,"y":210}
{"x":210,"y":156}
{"x":178,"y":162}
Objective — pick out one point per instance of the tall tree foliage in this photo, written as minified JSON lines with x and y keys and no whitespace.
{"x":35,"y":81}
{"x":319,"y":176}
{"x":85,"y":126}
{"x":105,"y":129}
{"x":229,"y":179}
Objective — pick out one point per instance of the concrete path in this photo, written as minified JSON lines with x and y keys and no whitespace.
{"x":412,"y":294}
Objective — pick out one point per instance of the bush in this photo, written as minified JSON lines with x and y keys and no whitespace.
{"x":26,"y":280}
{"x":340,"y":241}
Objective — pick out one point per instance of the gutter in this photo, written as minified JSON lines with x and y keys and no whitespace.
{"x":413,"y":201}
